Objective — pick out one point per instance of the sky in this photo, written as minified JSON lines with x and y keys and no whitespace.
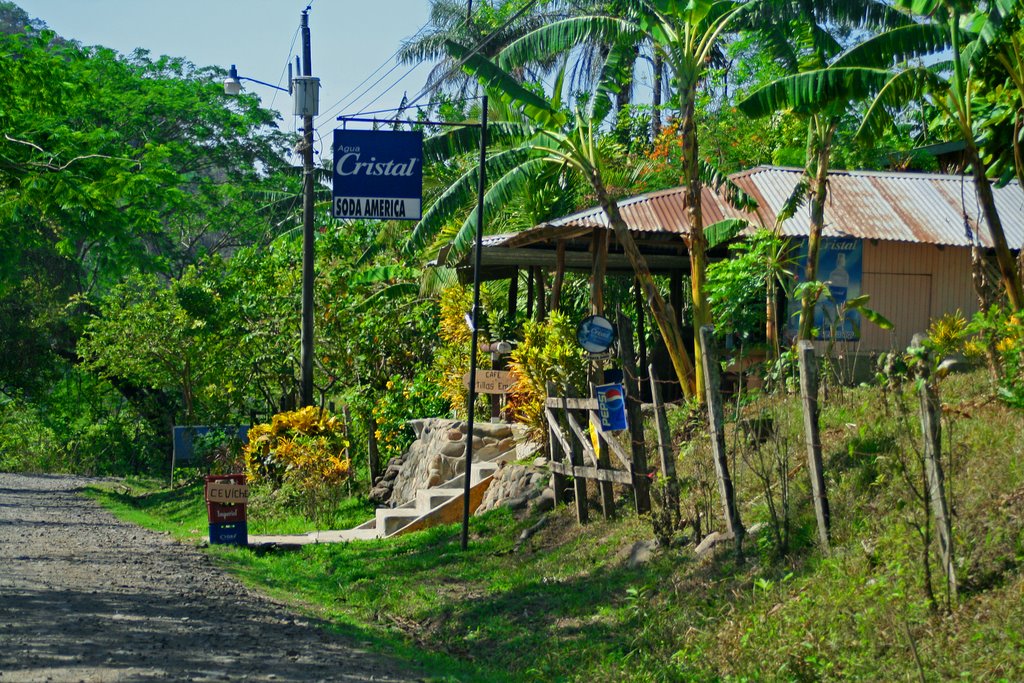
{"x":350,"y":39}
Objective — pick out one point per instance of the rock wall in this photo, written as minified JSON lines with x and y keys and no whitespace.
{"x":520,"y":486}
{"x":438,"y":455}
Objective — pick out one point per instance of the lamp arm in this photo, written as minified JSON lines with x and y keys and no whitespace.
{"x":269,"y":85}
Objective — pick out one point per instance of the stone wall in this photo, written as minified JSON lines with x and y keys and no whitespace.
{"x":520,"y":486}
{"x":438,"y":455}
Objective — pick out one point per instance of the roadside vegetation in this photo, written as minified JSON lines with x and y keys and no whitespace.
{"x":566,"y":604}
{"x":150,"y":279}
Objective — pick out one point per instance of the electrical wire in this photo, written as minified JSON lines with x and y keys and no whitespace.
{"x":387,"y":89}
{"x":284,"y":69}
{"x":338,"y":104}
{"x":472,"y":53}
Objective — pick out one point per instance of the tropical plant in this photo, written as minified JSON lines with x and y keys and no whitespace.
{"x":951,"y":87}
{"x":306,"y":449}
{"x":688,"y":35}
{"x":804,"y":45}
{"x":548,"y":353}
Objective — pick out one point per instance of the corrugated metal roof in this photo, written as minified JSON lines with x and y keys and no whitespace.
{"x":661,"y":211}
{"x":924,"y":208}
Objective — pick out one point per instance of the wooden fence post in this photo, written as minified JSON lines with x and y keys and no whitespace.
{"x":931,"y":429}
{"x":712,"y":385}
{"x":812,"y":438}
{"x":556,"y":453}
{"x":668,"y":463}
{"x":631,"y":381}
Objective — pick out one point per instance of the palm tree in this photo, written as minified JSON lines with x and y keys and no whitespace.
{"x":688,"y":35}
{"x":492,"y":28}
{"x":539,"y":146}
{"x":950,"y":87}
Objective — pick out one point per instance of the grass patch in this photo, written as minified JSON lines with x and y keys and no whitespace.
{"x":566,"y":605}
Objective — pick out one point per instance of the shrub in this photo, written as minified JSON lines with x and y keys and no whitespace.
{"x":402,"y":401}
{"x":451,"y":360}
{"x":1002,"y":332}
{"x":304,"y":449}
{"x":548,"y":353}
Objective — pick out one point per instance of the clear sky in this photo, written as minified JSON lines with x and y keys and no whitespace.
{"x":350,"y":40}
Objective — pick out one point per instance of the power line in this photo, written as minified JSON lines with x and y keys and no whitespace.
{"x":284,"y":69}
{"x":338,"y":104}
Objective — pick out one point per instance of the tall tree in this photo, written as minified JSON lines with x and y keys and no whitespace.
{"x":951,"y":87}
{"x":688,"y":35}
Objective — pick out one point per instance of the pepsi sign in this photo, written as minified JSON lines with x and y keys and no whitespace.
{"x":378,"y":174}
{"x":611,"y":407}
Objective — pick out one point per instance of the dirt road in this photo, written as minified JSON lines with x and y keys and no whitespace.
{"x":85,"y":597}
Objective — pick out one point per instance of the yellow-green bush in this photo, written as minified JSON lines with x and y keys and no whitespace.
{"x":548,"y":353}
{"x":451,"y":359}
{"x":305,"y":449}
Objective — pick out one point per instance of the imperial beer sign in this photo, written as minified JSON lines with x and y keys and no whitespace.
{"x":378,"y":174}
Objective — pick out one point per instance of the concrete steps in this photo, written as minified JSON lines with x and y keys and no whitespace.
{"x":430,"y":503}
{"x":431,"y":507}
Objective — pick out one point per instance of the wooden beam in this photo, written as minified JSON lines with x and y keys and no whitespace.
{"x":577,"y":261}
{"x":556,"y":287}
{"x":611,"y":476}
{"x":572,"y":403}
{"x":513,"y":294}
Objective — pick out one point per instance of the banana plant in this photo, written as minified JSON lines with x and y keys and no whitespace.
{"x":687,"y":34}
{"x":820,"y":89}
{"x":878,"y":67}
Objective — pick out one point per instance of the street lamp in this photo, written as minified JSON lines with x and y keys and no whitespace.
{"x":306,"y":89}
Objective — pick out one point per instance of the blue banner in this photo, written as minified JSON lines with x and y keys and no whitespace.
{"x":378,"y":174}
{"x":840,"y":266}
{"x":611,"y":407}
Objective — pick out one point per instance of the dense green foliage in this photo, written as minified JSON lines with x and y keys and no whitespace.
{"x":150,"y":275}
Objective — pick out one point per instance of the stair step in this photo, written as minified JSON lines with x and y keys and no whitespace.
{"x":390,"y":520}
{"x":482,"y":470}
{"x":428,"y":499}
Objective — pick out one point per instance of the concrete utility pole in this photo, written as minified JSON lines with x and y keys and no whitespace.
{"x":308,"y":187}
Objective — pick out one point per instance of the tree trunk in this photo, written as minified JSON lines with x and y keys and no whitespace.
{"x":819,"y":149}
{"x":556,"y":287}
{"x":1007,"y":265}
{"x":771,"y":325}
{"x":656,"y":97}
{"x":664,"y":316}
{"x":697,"y":240}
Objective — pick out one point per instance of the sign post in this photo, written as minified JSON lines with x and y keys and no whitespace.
{"x":490,"y":381}
{"x":226,"y":497}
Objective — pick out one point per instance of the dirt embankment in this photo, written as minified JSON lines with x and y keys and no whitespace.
{"x":86,"y":597}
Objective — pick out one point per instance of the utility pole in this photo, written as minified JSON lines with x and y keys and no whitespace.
{"x":306,"y":90}
{"x":306,"y":357}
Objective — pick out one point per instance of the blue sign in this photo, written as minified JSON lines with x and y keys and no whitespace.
{"x":378,"y":174}
{"x":840,"y":266}
{"x":611,"y":406}
{"x":183,"y":437}
{"x":595,"y":334}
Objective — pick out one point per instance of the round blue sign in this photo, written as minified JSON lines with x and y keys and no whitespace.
{"x":595,"y":334}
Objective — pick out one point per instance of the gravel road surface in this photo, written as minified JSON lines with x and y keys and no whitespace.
{"x":86,"y":597}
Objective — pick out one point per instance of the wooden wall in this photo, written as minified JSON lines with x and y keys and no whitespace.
{"x":911,"y":284}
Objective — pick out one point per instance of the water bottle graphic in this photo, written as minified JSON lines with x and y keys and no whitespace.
{"x":838,"y":286}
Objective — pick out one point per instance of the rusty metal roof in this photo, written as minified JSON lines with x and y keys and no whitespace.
{"x":663,"y":211}
{"x":925,"y":208}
